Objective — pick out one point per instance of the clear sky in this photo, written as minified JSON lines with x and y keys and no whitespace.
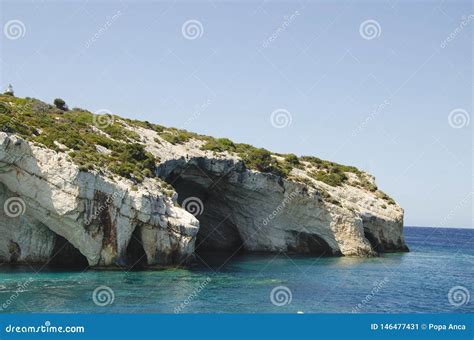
{"x":370,"y":84}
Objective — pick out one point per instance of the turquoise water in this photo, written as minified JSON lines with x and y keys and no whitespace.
{"x":419,"y":281}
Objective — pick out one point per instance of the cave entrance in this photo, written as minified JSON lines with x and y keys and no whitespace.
{"x":207,"y":197}
{"x":136,"y":256}
{"x":205,"y":191}
{"x":373,"y":240}
{"x":311,"y":244}
{"x":65,"y":255}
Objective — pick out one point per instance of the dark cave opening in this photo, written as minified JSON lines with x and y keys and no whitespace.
{"x":218,"y":201}
{"x":65,"y":255}
{"x":214,"y":201}
{"x":136,"y":256}
{"x":207,"y":198}
{"x":376,"y":245}
{"x":311,"y":244}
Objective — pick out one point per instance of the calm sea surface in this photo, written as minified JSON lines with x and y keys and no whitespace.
{"x":440,"y":261}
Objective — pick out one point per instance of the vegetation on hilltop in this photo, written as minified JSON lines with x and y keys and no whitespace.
{"x":331,"y":173}
{"x":262,"y":160}
{"x":254,"y":158}
{"x":74,"y":129}
{"x":60,"y":104}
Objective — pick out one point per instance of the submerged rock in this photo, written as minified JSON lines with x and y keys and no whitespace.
{"x":56,"y":211}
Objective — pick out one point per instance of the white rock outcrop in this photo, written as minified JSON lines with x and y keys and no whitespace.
{"x":263,"y":212}
{"x":50,"y":205}
{"x":44,"y":196}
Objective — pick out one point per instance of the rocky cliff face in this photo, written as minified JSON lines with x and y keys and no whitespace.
{"x":56,"y":210}
{"x":46,"y":200}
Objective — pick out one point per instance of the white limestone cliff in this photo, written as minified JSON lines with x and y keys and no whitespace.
{"x":111,"y":221}
{"x":95,"y":214}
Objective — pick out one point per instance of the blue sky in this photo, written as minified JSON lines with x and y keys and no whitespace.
{"x":378,"y":99}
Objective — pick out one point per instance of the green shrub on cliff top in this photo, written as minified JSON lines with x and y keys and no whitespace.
{"x":117,"y":131}
{"x":329,"y":177}
{"x":253,"y":158}
{"x":60,"y":104}
{"x":176,"y":136}
{"x":292,"y":159}
{"x":219,"y":145}
{"x":384,"y":196}
{"x":332,"y":173}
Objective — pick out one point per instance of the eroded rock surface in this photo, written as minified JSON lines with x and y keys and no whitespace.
{"x":105,"y":220}
{"x":44,"y":196}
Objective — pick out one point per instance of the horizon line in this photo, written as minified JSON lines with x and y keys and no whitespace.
{"x":444,"y":227}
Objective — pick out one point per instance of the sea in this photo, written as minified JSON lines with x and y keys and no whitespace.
{"x":436,"y":276}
